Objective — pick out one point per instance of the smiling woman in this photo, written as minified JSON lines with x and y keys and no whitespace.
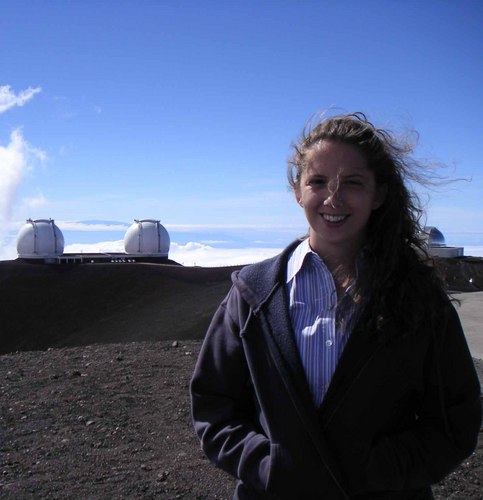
{"x":338,"y":193}
{"x":322,"y":373}
{"x":381,"y":213}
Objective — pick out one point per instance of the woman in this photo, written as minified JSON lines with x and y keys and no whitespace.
{"x":339,"y":369}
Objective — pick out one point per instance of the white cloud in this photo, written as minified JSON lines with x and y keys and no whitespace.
{"x":8,"y":248}
{"x":101,"y":247}
{"x":197,"y":254}
{"x":8,"y":98}
{"x":188,"y":228}
{"x":85,"y":226}
{"x":215,"y":242}
{"x":474,"y":251}
{"x":16,"y":159}
{"x":191,"y":254}
{"x":35,"y":203}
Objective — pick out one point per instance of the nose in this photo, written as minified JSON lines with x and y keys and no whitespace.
{"x":333,"y":196}
{"x":333,"y":201}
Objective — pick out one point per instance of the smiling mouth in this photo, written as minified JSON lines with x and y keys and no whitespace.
{"x":334,"y":218}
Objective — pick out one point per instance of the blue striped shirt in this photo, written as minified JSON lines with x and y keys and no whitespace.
{"x":321,"y":332}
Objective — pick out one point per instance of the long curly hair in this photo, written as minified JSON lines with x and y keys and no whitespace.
{"x":397,"y":283}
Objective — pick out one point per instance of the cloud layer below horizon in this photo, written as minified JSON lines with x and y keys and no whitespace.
{"x":191,"y":253}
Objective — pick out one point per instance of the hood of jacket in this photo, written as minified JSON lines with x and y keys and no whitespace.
{"x":257,"y":282}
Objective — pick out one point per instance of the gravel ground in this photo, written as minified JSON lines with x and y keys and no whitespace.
{"x":113,"y":421}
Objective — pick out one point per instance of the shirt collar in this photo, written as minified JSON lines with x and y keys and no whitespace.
{"x":297,"y":259}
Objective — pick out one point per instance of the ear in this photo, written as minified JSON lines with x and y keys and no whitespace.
{"x":381,"y":193}
{"x":297,"y":194}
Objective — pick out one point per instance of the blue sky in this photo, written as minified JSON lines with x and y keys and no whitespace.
{"x":184,"y":111}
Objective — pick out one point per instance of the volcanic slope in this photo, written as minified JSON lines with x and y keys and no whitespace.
{"x":97,"y":405}
{"x":81,"y":304}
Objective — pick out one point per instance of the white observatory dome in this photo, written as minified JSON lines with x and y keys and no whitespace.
{"x":39,"y":239}
{"x":147,"y":237}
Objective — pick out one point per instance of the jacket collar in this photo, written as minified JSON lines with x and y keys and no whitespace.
{"x":258,"y":281}
{"x":262,"y":285}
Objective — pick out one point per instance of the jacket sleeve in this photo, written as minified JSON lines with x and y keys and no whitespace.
{"x":222,"y":401}
{"x":448,"y":424}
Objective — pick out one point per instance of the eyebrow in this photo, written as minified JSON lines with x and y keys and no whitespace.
{"x":350,"y":176}
{"x":342,"y":176}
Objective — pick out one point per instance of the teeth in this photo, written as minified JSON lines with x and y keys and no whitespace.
{"x":334,"y":218}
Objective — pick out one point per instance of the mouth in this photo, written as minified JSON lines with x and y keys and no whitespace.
{"x":334,"y":218}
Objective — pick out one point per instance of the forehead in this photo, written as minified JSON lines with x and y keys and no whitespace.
{"x":336,"y":158}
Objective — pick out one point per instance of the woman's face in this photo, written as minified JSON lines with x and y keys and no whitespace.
{"x":338,"y":193}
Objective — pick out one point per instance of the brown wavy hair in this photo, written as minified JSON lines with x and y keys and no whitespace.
{"x":397,"y":283}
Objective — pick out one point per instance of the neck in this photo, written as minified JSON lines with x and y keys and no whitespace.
{"x":339,"y":261}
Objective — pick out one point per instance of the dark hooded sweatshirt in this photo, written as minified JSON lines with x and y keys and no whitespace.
{"x":397,"y":417}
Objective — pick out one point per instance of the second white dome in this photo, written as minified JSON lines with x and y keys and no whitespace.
{"x":147,"y":237}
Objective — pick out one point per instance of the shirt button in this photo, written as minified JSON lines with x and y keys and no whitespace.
{"x":328,"y":343}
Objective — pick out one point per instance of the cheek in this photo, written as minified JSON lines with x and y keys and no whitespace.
{"x":369,"y":200}
{"x":312,"y":200}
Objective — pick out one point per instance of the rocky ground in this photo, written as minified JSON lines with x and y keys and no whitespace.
{"x":102,"y":422}
{"x":113,"y":421}
{"x":95,"y":363}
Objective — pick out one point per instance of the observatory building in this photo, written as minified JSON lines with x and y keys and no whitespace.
{"x":147,"y":237}
{"x":41,"y":241}
{"x":437,"y":244}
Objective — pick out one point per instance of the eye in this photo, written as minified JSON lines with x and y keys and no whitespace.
{"x":354,"y":182}
{"x":316,"y":181}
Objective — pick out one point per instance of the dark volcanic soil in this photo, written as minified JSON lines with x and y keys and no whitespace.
{"x":81,"y":304}
{"x":102,"y":410}
{"x":102,"y":422}
{"x":113,"y":421}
